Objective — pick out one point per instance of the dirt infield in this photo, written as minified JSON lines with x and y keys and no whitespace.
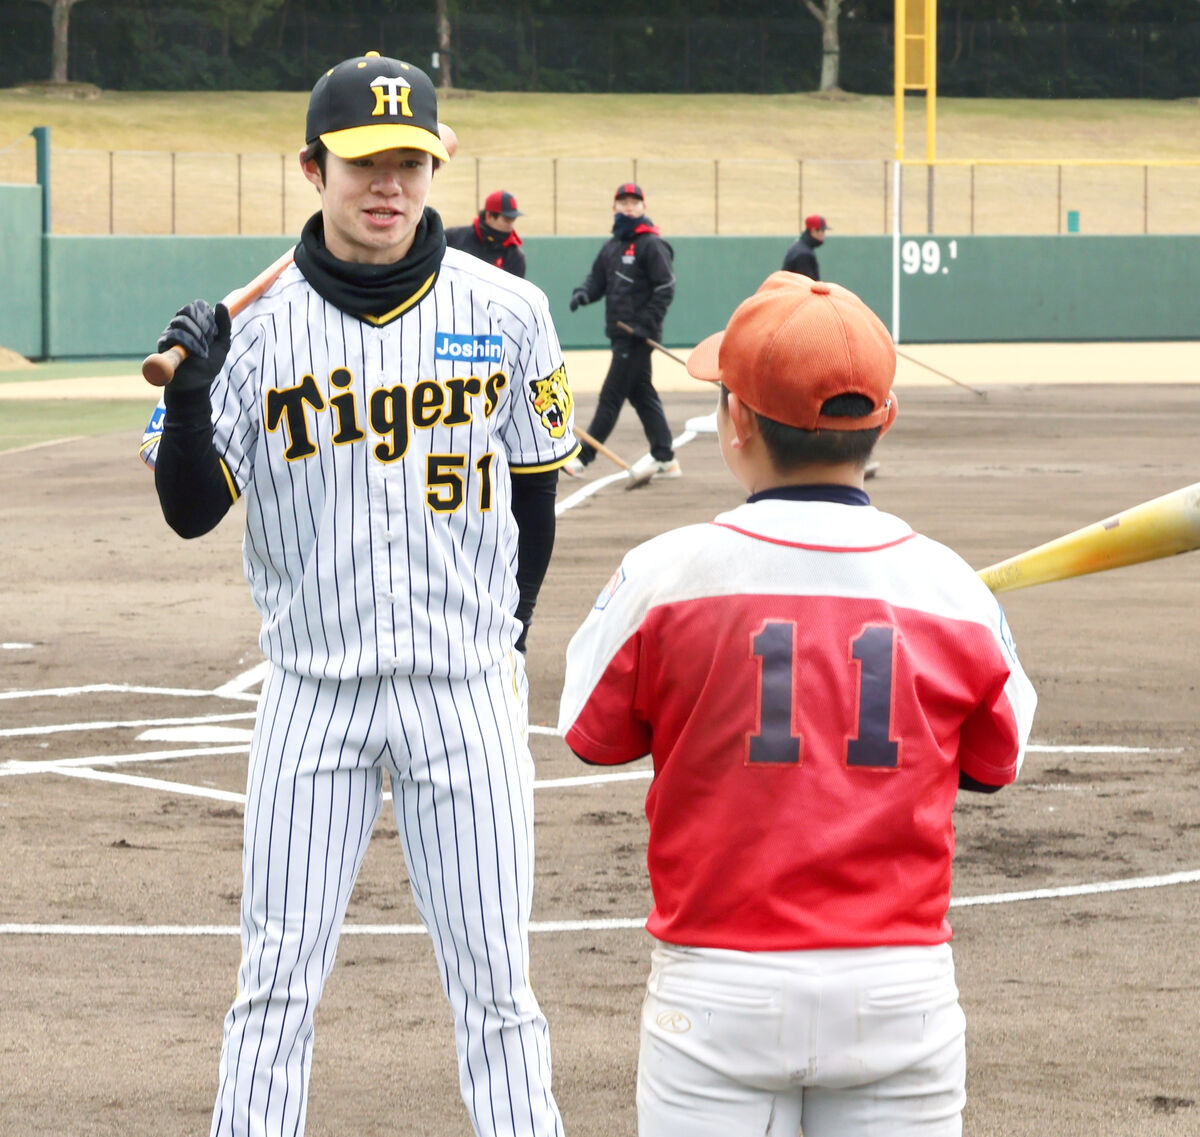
{"x":120,"y":813}
{"x":966,"y":365}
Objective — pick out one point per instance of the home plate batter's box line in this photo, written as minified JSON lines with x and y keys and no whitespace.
{"x":125,"y":724}
{"x":86,"y":765}
{"x":236,"y":688}
{"x":84,"y":769}
{"x":1191,"y":876}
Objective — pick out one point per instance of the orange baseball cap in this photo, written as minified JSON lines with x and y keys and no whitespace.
{"x":796,"y":343}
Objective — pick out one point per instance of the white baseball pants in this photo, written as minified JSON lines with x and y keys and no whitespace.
{"x":848,"y":1043}
{"x":462,"y":780}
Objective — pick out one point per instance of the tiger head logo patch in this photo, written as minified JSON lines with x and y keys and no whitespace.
{"x":551,"y":398}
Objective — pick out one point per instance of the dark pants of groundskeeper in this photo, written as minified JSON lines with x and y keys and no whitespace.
{"x":629,"y":378}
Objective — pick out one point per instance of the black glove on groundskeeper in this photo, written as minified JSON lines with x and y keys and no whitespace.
{"x":578,"y":297}
{"x":202,"y":331}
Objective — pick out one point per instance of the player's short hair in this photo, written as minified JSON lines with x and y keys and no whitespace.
{"x":790,"y":447}
{"x":316,"y":151}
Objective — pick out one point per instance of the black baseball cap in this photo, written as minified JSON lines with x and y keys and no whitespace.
{"x":503,"y":203}
{"x":629,"y":189}
{"x":372,"y":103}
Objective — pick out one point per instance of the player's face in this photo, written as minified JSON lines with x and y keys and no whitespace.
{"x":630,"y":206}
{"x":499,"y":222}
{"x":372,"y":205}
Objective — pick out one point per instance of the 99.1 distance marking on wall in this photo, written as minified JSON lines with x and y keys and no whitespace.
{"x":926,"y":257}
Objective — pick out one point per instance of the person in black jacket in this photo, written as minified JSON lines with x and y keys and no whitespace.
{"x":635,"y":273}
{"x":802,"y":256}
{"x":492,"y":236}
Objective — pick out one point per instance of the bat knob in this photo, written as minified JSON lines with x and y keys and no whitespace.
{"x":159,"y":369}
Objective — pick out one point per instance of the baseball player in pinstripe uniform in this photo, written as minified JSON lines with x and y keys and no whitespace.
{"x":814,"y":682}
{"x":395,"y":414}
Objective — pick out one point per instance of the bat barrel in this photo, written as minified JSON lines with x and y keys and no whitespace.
{"x":1162,"y":527}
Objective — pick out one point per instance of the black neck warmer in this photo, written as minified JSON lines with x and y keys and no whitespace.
{"x":624,"y":226}
{"x":487,"y":234}
{"x":375,"y":293}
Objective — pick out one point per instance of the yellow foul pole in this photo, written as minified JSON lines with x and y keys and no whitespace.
{"x":898,"y":77}
{"x":930,"y":80}
{"x":916,"y":67}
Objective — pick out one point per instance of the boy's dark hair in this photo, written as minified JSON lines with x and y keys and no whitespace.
{"x":792,"y":446}
{"x":317,"y":151}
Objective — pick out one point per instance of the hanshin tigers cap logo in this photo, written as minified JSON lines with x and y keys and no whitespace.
{"x":373,"y":103}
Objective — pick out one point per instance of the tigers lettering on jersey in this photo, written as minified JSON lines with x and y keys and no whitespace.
{"x":391,"y":412}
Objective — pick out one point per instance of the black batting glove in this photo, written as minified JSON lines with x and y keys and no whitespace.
{"x":578,"y":298}
{"x":203,"y":332}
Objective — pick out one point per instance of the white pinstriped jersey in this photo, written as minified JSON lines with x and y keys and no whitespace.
{"x":375,"y":462}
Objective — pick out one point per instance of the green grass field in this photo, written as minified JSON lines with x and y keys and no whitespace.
{"x":519,"y":125}
{"x":29,"y":422}
{"x":710,"y":163}
{"x":32,"y":421}
{"x":561,"y":155}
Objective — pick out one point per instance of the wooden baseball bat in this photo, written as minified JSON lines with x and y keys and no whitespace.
{"x":942,"y":374}
{"x":653,"y":343}
{"x":1161,"y":527}
{"x":159,"y":369}
{"x":612,"y":456}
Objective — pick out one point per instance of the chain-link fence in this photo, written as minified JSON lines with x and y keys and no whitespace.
{"x":132,"y":192}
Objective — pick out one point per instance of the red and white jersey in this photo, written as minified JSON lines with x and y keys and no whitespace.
{"x":810,"y":677}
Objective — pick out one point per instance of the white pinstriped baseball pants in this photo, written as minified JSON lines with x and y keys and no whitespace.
{"x":462,"y":780}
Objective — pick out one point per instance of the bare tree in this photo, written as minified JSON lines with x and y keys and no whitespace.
{"x":443,"y":34}
{"x":827,"y":12}
{"x":60,"y":20}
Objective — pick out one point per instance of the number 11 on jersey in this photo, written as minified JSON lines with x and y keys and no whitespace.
{"x":870,"y":654}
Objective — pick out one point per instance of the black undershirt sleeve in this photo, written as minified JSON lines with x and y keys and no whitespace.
{"x":193,"y":490}
{"x":966,"y":782}
{"x":533,"y":499}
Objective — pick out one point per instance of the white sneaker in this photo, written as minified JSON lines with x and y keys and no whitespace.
{"x":573,"y":468}
{"x":872,"y":468}
{"x":671,"y":469}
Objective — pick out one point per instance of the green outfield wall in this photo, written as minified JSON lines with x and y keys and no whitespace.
{"x":110,"y":296}
{"x":113,"y":295}
{"x":21,"y":269}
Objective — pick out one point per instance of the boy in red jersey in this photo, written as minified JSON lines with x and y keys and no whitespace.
{"x":815,"y":682}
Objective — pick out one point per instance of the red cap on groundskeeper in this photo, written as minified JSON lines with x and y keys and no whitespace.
{"x":503,"y":203}
{"x":815,"y":221}
{"x":796,"y":343}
